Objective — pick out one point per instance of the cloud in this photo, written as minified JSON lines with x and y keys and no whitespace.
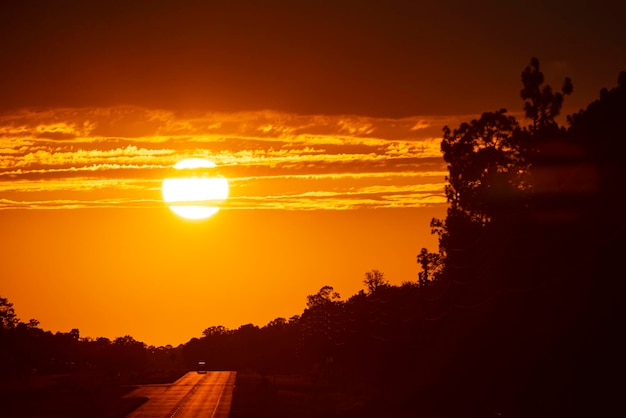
{"x":104,"y":157}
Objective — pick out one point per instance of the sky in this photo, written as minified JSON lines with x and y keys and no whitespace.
{"x":325,"y":117}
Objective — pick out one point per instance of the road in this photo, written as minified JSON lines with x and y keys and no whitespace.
{"x":193,"y":395}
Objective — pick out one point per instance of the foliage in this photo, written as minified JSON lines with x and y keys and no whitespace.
{"x":374,"y":280}
{"x":431,"y":266}
{"x":516,"y":315}
{"x":484,"y":164}
{"x":8,"y":319}
{"x":542,"y":105}
{"x":325,"y":296}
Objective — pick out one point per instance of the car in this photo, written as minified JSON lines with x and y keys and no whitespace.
{"x":202,"y":367}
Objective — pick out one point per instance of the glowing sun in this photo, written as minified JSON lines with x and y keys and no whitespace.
{"x":196,"y":191}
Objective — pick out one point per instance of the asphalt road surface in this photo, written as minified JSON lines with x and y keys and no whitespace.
{"x":193,"y":395}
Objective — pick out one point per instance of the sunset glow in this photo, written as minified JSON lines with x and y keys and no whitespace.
{"x":283,"y":174}
{"x":323,"y":120}
{"x":272,"y":160}
{"x":311,"y":208}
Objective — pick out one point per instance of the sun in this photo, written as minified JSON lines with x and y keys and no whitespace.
{"x":196,"y":191}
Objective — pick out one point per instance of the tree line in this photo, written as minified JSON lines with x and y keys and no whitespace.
{"x":517,"y":312}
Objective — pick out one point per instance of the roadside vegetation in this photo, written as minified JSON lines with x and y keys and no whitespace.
{"x":517,"y":313}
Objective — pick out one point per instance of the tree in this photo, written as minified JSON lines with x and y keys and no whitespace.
{"x":74,"y":334}
{"x":374,"y":280}
{"x":489,"y":161}
{"x":320,"y":322}
{"x":542,"y":105}
{"x":32,"y":323}
{"x":484,"y":164}
{"x":277,"y":322}
{"x":129,"y":354}
{"x":215,"y":331}
{"x":430,"y":263}
{"x":485,"y":182}
{"x":8,"y":318}
{"x":600,"y":128}
{"x":325,"y":296}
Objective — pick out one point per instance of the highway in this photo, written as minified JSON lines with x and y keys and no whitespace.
{"x":193,"y":395}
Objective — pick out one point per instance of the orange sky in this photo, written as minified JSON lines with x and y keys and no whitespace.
{"x":314,"y":201}
{"x":325,"y":117}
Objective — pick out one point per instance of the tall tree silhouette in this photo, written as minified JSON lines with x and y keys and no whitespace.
{"x":489,"y":161}
{"x":8,"y":318}
{"x":486,"y":182}
{"x":542,"y":105}
{"x":374,"y":280}
{"x":484,"y":162}
{"x":431,"y":266}
{"x":320,"y":323}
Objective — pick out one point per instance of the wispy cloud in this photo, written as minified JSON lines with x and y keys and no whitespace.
{"x":117,"y":157}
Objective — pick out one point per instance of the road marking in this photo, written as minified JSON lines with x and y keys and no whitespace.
{"x":217,"y":404}
{"x":184,"y":399}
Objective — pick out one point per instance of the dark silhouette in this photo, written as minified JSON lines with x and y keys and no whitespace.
{"x":541,"y":104}
{"x":374,"y":280}
{"x":517,"y":314}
